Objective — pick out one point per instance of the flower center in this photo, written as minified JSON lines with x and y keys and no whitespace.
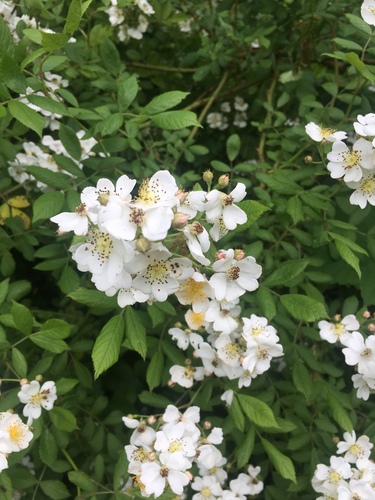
{"x":326,"y":132}
{"x":104,"y":198}
{"x":157,"y":272}
{"x":148,"y":194}
{"x":206,"y":492}
{"x":262,"y":354}
{"x":228,"y":201}
{"x":102,"y":244}
{"x":176,"y":445}
{"x":368,"y":186}
{"x":233,"y":273}
{"x":257,"y":331}
{"x":140,"y":455}
{"x":196,"y":228}
{"x":164,"y":471}
{"x":232,"y":350}
{"x":334,"y":477}
{"x":195,"y":320}
{"x":36,"y":399}
{"x":189,"y":372}
{"x":137,"y":216}
{"x":356,"y":450}
{"x":192,"y":291}
{"x":351,"y":158}
{"x":338,"y":328}
{"x":17,"y":431}
{"x":81,"y":209}
{"x":366,"y":353}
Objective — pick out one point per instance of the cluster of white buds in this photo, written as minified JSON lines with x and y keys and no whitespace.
{"x":160,"y":458}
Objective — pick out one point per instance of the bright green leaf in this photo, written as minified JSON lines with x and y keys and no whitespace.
{"x":27,"y":116}
{"x":19,"y":363}
{"x":164,"y":102}
{"x":135,"y":331}
{"x":281,"y":462}
{"x":303,"y":308}
{"x":23,"y":319}
{"x":127,"y":92}
{"x":257,"y":411}
{"x":63,"y":419}
{"x":175,"y":120}
{"x":233,"y":146}
{"x":107,"y":346}
{"x":47,"y":205}
{"x":155,"y":370}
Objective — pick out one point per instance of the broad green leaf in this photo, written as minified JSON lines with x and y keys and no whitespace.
{"x":65,"y":385}
{"x":219,"y":166}
{"x":53,"y":179}
{"x":48,"y":343}
{"x":47,"y":205}
{"x":253,"y":210}
{"x":135,"y":331}
{"x":294,"y":209}
{"x":110,"y":125}
{"x":266,"y":302}
{"x":303,"y":308}
{"x":69,"y":280}
{"x":74,"y":17}
{"x":5,"y":482}
{"x":48,"y":104}
{"x":81,"y":479}
{"x":19,"y":363}
{"x":31,"y":57}
{"x":52,"y":62}
{"x":70,"y":142}
{"x":236,"y":414}
{"x":175,"y":120}
{"x":7,"y":45}
{"x":27,"y":116}
{"x":349,"y":257}
{"x":281,"y":462}
{"x":107,"y":346}
{"x":347,"y":44}
{"x":56,"y":490}
{"x":279,"y":183}
{"x":56,"y":329}
{"x":4,"y":287}
{"x":164,"y":101}
{"x":302,"y":380}
{"x":11,"y":74}
{"x":349,"y":243}
{"x":63,"y":419}
{"x":127,"y":92}
{"x":339,"y":414}
{"x":360,"y":66}
{"x":359,"y":23}
{"x":22,"y":317}
{"x":285,"y":272}
{"x":245,"y":449}
{"x":233,"y":146}
{"x":257,"y":411}
{"x":110,"y":56}
{"x":154,"y":400}
{"x":54,"y":41}
{"x":48,"y":447}
{"x":155,"y":370}
{"x":95,"y":299}
{"x":51,"y":264}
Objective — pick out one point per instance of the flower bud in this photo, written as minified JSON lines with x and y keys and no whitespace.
{"x":142,"y":244}
{"x":39,"y":378}
{"x":24,"y":381}
{"x":371,"y":328}
{"x":178,"y":325}
{"x":208,"y":176}
{"x":189,"y":475}
{"x":308,"y":160}
{"x":336,"y":439}
{"x":181,"y":195}
{"x":337,"y":317}
{"x":207,"y":425}
{"x":151,"y":419}
{"x":170,"y":383}
{"x":366,"y":314}
{"x":179,"y":220}
{"x":223,"y":180}
{"x":239,"y":254}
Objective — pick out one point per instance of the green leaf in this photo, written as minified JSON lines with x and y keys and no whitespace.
{"x":257,"y":411}
{"x":63,"y":419}
{"x":165,"y":101}
{"x":27,"y":116}
{"x":69,"y":280}
{"x":19,"y":363}
{"x":281,"y":462}
{"x":56,"y":490}
{"x":175,"y":120}
{"x":349,"y":243}
{"x":303,"y":308}
{"x":52,"y":179}
{"x":48,"y":104}
{"x":302,"y":380}
{"x":70,"y":142}
{"x":52,"y":62}
{"x":127,"y":92}
{"x":279,"y":182}
{"x":359,"y":23}
{"x":266,"y":302}
{"x":98,"y":301}
{"x":219,"y":166}
{"x":81,"y":479}
{"x":236,"y":414}
{"x":155,"y":370}
{"x":154,"y":400}
{"x":233,"y":146}
{"x":107,"y":346}
{"x":56,"y":329}
{"x":246,"y":448}
{"x":22,"y":318}
{"x":253,"y":210}
{"x":135,"y":331}
{"x":11,"y":74}
{"x":54,"y":41}
{"x":7,"y":45}
{"x":110,"y":125}
{"x":47,"y":447}
{"x":285,"y":272}
{"x":339,"y":414}
{"x":49,"y":344}
{"x":110,"y":56}
{"x":347,"y":44}
{"x":294,"y":209}
{"x":74,"y":17}
{"x":349,"y":257}
{"x":65,"y":385}
{"x":48,"y":205}
{"x":4,"y":287}
{"x":360,"y":66}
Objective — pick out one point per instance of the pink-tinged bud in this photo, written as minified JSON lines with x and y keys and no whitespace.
{"x":223,"y":180}
{"x":181,"y":195}
{"x":151,"y":456}
{"x":179,"y":220}
{"x":207,"y":425}
{"x":189,"y":475}
{"x":170,"y":383}
{"x":239,"y":254}
{"x":220,"y":256}
{"x":24,"y":381}
{"x":142,"y":244}
{"x":208,"y":176}
{"x":195,"y":355}
{"x":241,"y":360}
{"x":151,"y":419}
{"x":366,"y":314}
{"x":337,"y":317}
{"x":371,"y":327}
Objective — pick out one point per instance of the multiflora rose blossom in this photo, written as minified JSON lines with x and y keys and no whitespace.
{"x":35,"y":398}
{"x":319,"y":133}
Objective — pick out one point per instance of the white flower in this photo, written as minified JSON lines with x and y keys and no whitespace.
{"x":360,"y":352}
{"x":363,"y":386}
{"x":347,"y":163}
{"x":223,"y":315}
{"x":365,"y":125}
{"x":329,"y":478}
{"x":194,"y":320}
{"x":227,"y":396}
{"x":240,"y":120}
{"x":186,"y":375}
{"x":195,"y":291}
{"x":217,"y":120}
{"x":116,"y":15}
{"x":211,"y":361}
{"x":355,"y":490}
{"x":189,"y":419}
{"x":228,"y":351}
{"x":36,"y":397}
{"x":255,"y":485}
{"x":185,"y":338}
{"x":333,"y":332}
{"x":208,"y":487}
{"x":225,"y":107}
{"x":198,"y":241}
{"x":258,"y":356}
{"x":174,"y":448}
{"x":145,"y":6}
{"x":233,"y":278}
{"x":319,"y":134}
{"x":354,"y":448}
{"x":155,"y":477}
{"x":143,"y":435}
{"x":3,"y":462}
{"x":185,"y":25}
{"x":364,"y":190}
{"x":14,"y":434}
{"x":257,"y":328}
{"x":77,"y":221}
{"x":221,"y":205}
{"x":368,"y":12}
{"x":240,"y":104}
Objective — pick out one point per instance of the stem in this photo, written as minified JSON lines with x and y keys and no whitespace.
{"x":70,"y":460}
{"x":267,"y":121}
{"x":170,"y":69}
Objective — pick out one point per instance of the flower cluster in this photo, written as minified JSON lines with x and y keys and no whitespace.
{"x":14,"y":436}
{"x":136,"y":23}
{"x":125,"y":244}
{"x":353,"y":164}
{"x":35,"y":398}
{"x":358,"y":351}
{"x":349,"y":477}
{"x":161,"y":458}
{"x":219,"y":120}
{"x":33,"y":155}
{"x":237,"y":348}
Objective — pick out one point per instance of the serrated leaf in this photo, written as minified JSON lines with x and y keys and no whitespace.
{"x":56,"y":490}
{"x":69,"y":280}
{"x":302,"y":380}
{"x":285,"y":272}
{"x":74,"y":17}
{"x":135,"y":331}
{"x":294,"y":209}
{"x":154,"y":400}
{"x":27,"y":116}
{"x":22,"y":317}
{"x":56,"y":328}
{"x":347,"y":44}
{"x":81,"y":479}
{"x":233,"y":146}
{"x":349,"y":257}
{"x":266,"y":302}
{"x":19,"y":363}
{"x":359,"y":23}
{"x":155,"y":370}
{"x":63,"y":419}
{"x":279,"y":183}
{"x":303,"y":308}
{"x":55,"y":345}
{"x":281,"y":462}
{"x":7,"y":45}
{"x":12,"y":75}
{"x":110,"y":56}
{"x":236,"y":414}
{"x":253,"y":210}
{"x":47,"y":447}
{"x":175,"y":120}
{"x":70,"y":142}
{"x":164,"y":101}
{"x":339,"y":414}
{"x":53,"y":179}
{"x":349,"y":243}
{"x":107,"y":346}
{"x":110,"y":125}
{"x":245,"y":449}
{"x":95,"y":299}
{"x":48,"y":104}
{"x":127,"y":92}
{"x":257,"y":411}
{"x":47,"y":205}
{"x":54,"y":41}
